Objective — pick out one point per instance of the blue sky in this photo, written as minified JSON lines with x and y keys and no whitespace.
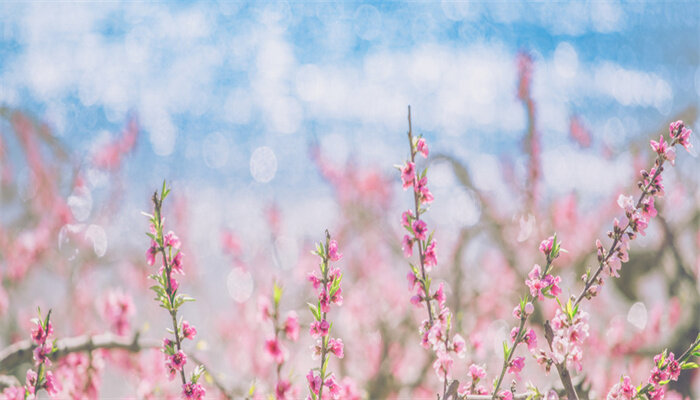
{"x":212,"y":82}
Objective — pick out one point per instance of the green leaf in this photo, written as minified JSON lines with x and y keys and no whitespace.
{"x":662,"y":359}
{"x":276,"y":293}
{"x":325,"y":364}
{"x":314,"y":311}
{"x":430,"y":239}
{"x":196,"y":373}
{"x":505,"y":350}
{"x":689,"y":365}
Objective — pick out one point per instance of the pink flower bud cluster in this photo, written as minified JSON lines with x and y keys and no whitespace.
{"x":328,"y":290}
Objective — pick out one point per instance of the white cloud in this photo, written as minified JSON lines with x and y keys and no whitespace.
{"x":168,"y":62}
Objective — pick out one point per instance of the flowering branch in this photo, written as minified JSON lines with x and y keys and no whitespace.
{"x":273,"y":346}
{"x":666,"y":368}
{"x":436,"y":329}
{"x":541,"y":284}
{"x":41,"y":351}
{"x":329,"y":291}
{"x":166,"y":294}
{"x":637,"y":216}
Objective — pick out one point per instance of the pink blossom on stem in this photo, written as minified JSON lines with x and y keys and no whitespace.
{"x":39,"y":334}
{"x":423,"y":192}
{"x":422,"y":147}
{"x":314,"y":382}
{"x":531,"y":339}
{"x":151,"y":254}
{"x":333,"y":387}
{"x":171,"y":240}
{"x":291,"y":326}
{"x":193,"y":391}
{"x":420,"y":229}
{"x":335,"y":346}
{"x":51,"y":385}
{"x":177,"y":360}
{"x":516,"y":365}
{"x":283,"y":389}
{"x":412,"y":280}
{"x":626,"y":203}
{"x":406,"y":218}
{"x":319,"y":328}
{"x":476,"y":372}
{"x":176,"y":263}
{"x":188,"y":331}
{"x":30,"y":380}
{"x":546,"y":245}
{"x":459,"y":346}
{"x":534,"y":283}
{"x":275,"y":350}
{"x":443,"y":366}
{"x":408,"y":174}
{"x":430,"y":256}
{"x":407,"y":246}
{"x":333,"y":253}
{"x":505,"y":395}
{"x":315,"y":281}
{"x":41,"y":354}
{"x":439,"y":295}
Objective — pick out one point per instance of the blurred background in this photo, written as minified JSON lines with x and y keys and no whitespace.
{"x":273,"y":121}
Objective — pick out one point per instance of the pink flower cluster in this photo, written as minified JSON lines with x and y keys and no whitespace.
{"x":476,"y":374}
{"x":40,"y":336}
{"x":623,"y":390}
{"x":570,"y":330}
{"x":39,"y":378}
{"x":542,"y":285}
{"x":171,"y":243}
{"x":666,"y":368}
{"x":328,"y":291}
